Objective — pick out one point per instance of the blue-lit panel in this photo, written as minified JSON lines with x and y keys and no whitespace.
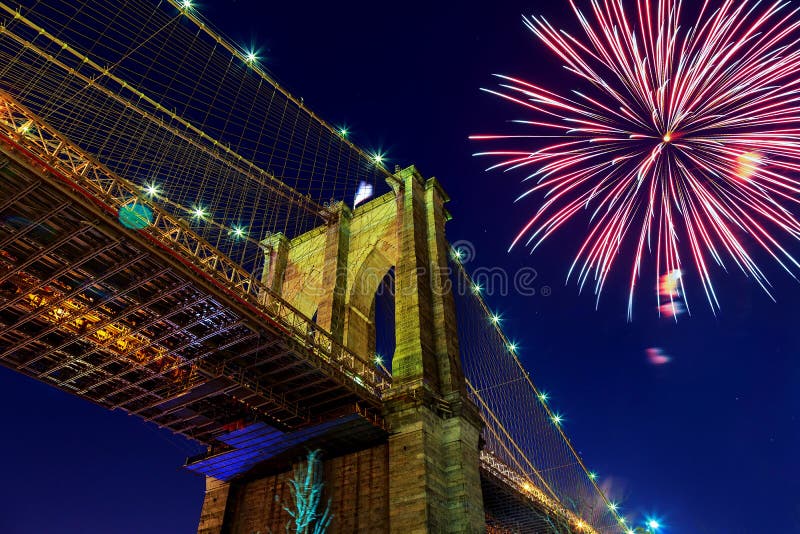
{"x":260,"y":442}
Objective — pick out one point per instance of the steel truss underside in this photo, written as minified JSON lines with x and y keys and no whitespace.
{"x":87,"y":306}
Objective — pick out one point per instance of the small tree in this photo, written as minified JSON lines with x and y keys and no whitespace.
{"x":306,"y":489}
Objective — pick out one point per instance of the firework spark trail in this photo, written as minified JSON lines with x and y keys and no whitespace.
{"x":653,"y":146}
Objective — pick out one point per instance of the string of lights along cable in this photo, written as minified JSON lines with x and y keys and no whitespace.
{"x":523,"y":429}
{"x":195,"y":122}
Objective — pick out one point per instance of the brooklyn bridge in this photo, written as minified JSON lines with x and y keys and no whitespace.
{"x":184,"y":240}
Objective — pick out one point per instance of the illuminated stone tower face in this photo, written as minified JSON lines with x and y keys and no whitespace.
{"x":426,"y":478}
{"x":434,"y":482}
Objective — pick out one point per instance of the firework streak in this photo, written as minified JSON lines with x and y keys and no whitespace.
{"x":683,"y":140}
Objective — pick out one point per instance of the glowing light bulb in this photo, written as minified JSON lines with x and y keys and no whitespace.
{"x":458,"y":254}
{"x":512,"y":347}
{"x":238,"y":232}
{"x":378,"y":359}
{"x":152,"y":190}
{"x":186,"y":4}
{"x":378,"y":158}
{"x":613,"y":506}
{"x":592,"y":475}
{"x":557,"y":418}
{"x":199,"y":213}
{"x":652,"y":523}
{"x":476,"y":288}
{"x":495,"y":318}
{"x":343,"y":131}
{"x":251,"y":57}
{"x":543,"y":396}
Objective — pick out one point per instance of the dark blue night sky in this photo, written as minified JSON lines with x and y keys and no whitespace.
{"x":707,"y":442}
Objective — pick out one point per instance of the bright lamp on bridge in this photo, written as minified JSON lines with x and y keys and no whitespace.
{"x":152,"y":190}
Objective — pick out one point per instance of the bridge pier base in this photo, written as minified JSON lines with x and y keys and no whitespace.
{"x":434,"y":483}
{"x":215,"y":503}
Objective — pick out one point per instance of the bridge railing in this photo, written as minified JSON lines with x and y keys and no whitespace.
{"x":20,"y":128}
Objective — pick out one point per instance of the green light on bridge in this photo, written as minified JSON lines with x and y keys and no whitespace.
{"x":152,"y":190}
{"x":199,"y":213}
{"x":238,"y":232}
{"x":135,"y":216}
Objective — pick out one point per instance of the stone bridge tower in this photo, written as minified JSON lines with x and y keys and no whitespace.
{"x":425,"y":476}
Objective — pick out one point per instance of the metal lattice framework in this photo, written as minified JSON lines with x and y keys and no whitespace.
{"x":198,"y":127}
{"x":146,"y":354}
{"x":20,"y":126}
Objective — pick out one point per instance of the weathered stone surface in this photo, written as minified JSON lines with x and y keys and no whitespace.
{"x":215,"y":503}
{"x":354,"y":483}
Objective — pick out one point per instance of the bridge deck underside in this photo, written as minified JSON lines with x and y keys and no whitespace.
{"x":94,"y":309}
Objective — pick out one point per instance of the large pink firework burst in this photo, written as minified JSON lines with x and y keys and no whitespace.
{"x":680,"y":141}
